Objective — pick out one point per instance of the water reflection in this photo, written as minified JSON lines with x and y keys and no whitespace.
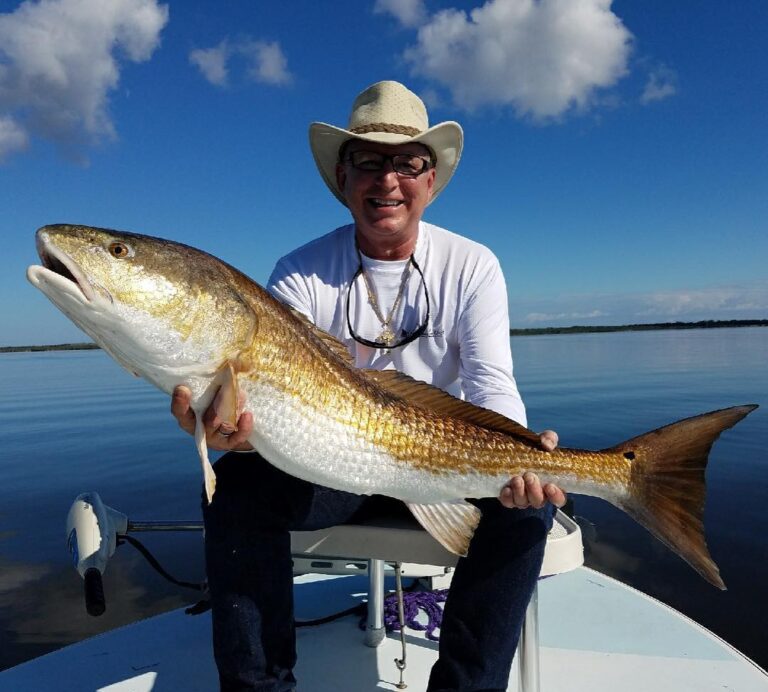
{"x":599,"y":389}
{"x":71,"y":422}
{"x":42,"y":605}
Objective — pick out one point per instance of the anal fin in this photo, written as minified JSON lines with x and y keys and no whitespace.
{"x":452,"y":524}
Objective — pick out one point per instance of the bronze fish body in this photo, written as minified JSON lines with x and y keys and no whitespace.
{"x":176,"y":315}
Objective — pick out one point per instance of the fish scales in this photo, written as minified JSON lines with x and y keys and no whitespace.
{"x":176,"y":315}
{"x":421,"y":440}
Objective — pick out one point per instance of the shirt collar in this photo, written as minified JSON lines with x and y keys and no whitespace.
{"x":419,"y":252}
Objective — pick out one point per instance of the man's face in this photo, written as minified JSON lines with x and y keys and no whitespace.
{"x":386,"y":206}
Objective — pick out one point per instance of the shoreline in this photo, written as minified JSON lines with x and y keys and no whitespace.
{"x":656,"y":326}
{"x":530,"y":331}
{"x":86,"y":346}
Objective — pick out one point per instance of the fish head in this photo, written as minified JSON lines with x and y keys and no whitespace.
{"x":163,"y":310}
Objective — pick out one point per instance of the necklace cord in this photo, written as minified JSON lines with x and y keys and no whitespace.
{"x":406,"y":274}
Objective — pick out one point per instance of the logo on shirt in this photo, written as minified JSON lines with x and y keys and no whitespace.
{"x":428,"y":333}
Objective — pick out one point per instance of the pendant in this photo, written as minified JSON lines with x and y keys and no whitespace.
{"x":387,"y":336}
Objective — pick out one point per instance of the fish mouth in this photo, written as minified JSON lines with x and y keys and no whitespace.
{"x":59,"y":270}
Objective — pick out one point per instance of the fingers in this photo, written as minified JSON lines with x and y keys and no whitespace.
{"x":522,"y":492}
{"x":556,"y":496}
{"x":526,"y":491}
{"x":531,"y":494}
{"x":238,"y":440}
{"x":224,"y":436}
{"x":180,"y":408}
{"x":220,"y":434}
{"x":549,"y":440}
{"x":510,"y":493}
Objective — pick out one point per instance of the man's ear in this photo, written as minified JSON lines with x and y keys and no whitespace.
{"x":432,"y":173}
{"x":341,"y":177}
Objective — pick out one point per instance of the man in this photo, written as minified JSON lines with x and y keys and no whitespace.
{"x":399,"y":293}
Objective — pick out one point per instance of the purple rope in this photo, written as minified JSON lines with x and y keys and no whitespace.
{"x":413,"y":602}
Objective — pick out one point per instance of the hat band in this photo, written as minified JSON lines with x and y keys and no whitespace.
{"x":386,"y":127}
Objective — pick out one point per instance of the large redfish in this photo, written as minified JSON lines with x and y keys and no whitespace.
{"x":173,"y":315}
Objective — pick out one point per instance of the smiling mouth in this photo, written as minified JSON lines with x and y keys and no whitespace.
{"x":379,"y":203}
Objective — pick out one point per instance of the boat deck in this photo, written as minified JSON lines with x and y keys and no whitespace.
{"x":597,"y":635}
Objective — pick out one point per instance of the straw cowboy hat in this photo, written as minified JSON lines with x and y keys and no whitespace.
{"x":387,"y":113}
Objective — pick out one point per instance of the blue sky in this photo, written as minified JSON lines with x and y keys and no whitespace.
{"x":616,"y":155}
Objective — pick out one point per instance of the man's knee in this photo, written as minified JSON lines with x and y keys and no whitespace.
{"x":521,"y":528}
{"x":250,"y":491}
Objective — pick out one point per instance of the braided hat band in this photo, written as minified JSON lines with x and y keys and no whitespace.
{"x":386,"y":127}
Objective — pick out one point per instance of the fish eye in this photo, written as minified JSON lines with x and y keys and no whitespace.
{"x":119,"y":250}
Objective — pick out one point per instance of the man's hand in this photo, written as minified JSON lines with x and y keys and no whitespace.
{"x":220,"y":435}
{"x":526,"y":490}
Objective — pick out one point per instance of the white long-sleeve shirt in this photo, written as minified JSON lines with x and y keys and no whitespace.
{"x":465,"y":348}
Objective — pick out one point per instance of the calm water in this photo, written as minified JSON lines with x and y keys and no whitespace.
{"x":74,"y":421}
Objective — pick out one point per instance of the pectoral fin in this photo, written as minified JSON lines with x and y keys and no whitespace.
{"x":209,"y":477}
{"x":227,"y":398}
{"x":452,"y":524}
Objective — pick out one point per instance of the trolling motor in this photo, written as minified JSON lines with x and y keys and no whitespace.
{"x":94,"y":531}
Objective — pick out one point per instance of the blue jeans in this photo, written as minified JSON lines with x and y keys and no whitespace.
{"x":248,"y":560}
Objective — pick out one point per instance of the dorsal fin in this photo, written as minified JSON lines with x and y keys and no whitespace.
{"x":425,"y":395}
{"x":330,"y":341}
{"x":422,"y":394}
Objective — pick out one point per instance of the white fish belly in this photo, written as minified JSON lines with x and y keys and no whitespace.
{"x":298,"y":440}
{"x":304,"y":443}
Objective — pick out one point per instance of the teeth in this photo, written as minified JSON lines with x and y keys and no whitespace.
{"x":386,"y":202}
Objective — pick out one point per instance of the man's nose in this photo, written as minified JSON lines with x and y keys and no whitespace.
{"x":387,"y":169}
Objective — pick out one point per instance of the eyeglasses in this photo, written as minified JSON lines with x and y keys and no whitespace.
{"x":407,"y":336}
{"x":408,"y":165}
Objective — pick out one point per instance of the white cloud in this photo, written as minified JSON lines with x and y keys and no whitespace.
{"x":725,"y":300}
{"x":748,"y":301}
{"x":410,"y":13}
{"x":58,"y":65}
{"x":661,"y":84}
{"x":268,"y":64}
{"x":265,"y":62}
{"x":212,"y":62}
{"x":562,"y":316}
{"x":13,"y":137}
{"x":541,"y":57}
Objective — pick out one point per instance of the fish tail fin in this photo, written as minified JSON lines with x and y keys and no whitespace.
{"x":667,"y":485}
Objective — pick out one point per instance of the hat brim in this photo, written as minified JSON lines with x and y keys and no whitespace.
{"x":445,"y":140}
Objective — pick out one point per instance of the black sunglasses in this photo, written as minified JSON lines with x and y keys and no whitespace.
{"x":409,"y":165}
{"x":409,"y":336}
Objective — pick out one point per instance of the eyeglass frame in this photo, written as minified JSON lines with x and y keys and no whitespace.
{"x":404,"y":341}
{"x":429,"y":162}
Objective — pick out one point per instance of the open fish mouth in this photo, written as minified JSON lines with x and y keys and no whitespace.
{"x":59,"y":270}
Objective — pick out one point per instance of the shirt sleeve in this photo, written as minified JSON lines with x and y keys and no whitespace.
{"x":485,"y":354}
{"x":288,"y":285}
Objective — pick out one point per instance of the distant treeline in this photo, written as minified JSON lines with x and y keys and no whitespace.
{"x":49,"y":347}
{"x":703,"y":324}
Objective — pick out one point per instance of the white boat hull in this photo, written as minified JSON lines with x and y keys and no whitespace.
{"x":597,"y":635}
